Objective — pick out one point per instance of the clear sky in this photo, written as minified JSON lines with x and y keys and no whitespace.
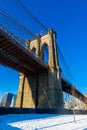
{"x":69,"y":19}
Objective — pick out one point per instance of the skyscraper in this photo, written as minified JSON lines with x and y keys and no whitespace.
{"x":6,"y":99}
{"x":13,"y":101}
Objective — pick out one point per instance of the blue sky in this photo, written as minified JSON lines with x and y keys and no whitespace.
{"x":69,"y":19}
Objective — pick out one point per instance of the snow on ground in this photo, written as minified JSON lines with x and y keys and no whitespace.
{"x":42,"y":122}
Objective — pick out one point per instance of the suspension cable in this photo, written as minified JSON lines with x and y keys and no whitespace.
{"x":68,"y":69}
{"x":29,"y":12}
{"x":18,"y":24}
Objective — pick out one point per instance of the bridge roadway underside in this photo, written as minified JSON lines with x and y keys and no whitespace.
{"x":69,"y":88}
{"x":14,"y":55}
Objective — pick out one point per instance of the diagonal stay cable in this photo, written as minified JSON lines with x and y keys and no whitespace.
{"x":18,"y":24}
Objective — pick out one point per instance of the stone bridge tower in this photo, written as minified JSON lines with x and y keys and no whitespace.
{"x":42,"y":90}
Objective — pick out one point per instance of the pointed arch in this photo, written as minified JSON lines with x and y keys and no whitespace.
{"x":45,"y":53}
{"x":34,"y":50}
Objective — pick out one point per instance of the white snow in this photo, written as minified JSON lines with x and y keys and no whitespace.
{"x":43,"y":122}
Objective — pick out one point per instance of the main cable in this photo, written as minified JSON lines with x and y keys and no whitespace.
{"x":67,"y":67}
{"x":29,"y":12}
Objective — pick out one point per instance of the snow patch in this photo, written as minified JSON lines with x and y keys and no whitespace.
{"x":42,"y":122}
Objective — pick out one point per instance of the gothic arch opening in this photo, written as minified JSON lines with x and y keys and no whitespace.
{"x":34,"y":50}
{"x":45,"y":53}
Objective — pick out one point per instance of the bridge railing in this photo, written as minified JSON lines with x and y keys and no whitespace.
{"x":69,"y":83}
{"x":11,"y":34}
{"x":16,"y":40}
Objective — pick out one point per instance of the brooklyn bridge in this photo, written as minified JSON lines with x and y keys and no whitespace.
{"x":41,"y":84}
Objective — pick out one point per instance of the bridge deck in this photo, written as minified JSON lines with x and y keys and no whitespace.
{"x":69,"y":88}
{"x":14,"y":55}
